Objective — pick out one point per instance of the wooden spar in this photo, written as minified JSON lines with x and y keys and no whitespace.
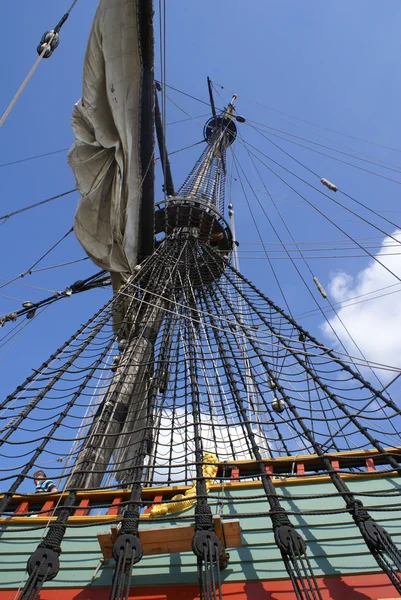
{"x":147,"y":137}
{"x":126,"y":398}
{"x":169,"y":185}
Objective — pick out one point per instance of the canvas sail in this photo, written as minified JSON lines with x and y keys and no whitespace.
{"x":112,"y":159}
{"x":106,"y":156}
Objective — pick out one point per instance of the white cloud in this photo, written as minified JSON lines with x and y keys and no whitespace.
{"x":177,"y":436}
{"x":375,"y":325}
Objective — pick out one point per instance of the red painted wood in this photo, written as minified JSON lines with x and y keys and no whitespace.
{"x":115,"y":510}
{"x":235,"y":474}
{"x":300,"y":468}
{"x":82,"y":511}
{"x":347,"y":587}
{"x":22,"y":508}
{"x":156,"y":500}
{"x":269,"y":469}
{"x":47,"y":509}
{"x":370,"y":464}
{"x":335,"y":464}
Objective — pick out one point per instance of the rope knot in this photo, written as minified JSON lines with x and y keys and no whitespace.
{"x":358,"y":512}
{"x":203,"y":518}
{"x":131,"y":520}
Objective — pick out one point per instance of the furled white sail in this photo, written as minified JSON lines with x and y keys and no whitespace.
{"x":105,"y":157}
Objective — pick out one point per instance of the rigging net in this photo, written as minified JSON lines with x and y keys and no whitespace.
{"x":206,"y":370}
{"x":206,"y":364}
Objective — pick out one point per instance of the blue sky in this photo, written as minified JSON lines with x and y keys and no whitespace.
{"x":335,"y":64}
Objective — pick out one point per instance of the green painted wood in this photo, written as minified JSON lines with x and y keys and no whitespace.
{"x":334,"y":543}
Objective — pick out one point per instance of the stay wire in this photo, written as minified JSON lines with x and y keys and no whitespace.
{"x":21,"y":210}
{"x":22,"y":160}
{"x":25,"y":82}
{"x":46,"y":47}
{"x":350,"y":197}
{"x":322,"y":213}
{"x":237,"y":164}
{"x":343,"y":304}
{"x":184,"y":93}
{"x":39,"y":259}
{"x":260,"y":236}
{"x":306,"y":264}
{"x":333,"y":329}
{"x":310,"y":123}
{"x":382,"y":166}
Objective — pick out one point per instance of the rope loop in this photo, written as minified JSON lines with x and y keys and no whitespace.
{"x":279,"y":517}
{"x":130,"y":523}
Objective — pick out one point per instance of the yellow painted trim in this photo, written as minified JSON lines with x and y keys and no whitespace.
{"x":45,"y":520}
{"x":216,"y":487}
{"x":303,"y":458}
{"x":149,"y":492}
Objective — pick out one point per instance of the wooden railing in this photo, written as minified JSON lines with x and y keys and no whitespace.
{"x":108,"y":504}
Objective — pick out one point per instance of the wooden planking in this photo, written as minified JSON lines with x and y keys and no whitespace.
{"x":109,"y":495}
{"x":167,"y":540}
{"x":334,"y":542}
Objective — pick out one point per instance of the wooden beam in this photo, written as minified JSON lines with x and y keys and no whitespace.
{"x":47,"y":509}
{"x":167,"y":540}
{"x":22,"y":508}
{"x":370,"y":464}
{"x":156,"y":500}
{"x":115,"y":510}
{"x":82,"y":511}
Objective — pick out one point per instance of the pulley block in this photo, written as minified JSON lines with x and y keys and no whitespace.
{"x":207,"y":543}
{"x":50,"y":38}
{"x":44,"y":562}
{"x":374,"y":534}
{"x":130,"y":545}
{"x":289,"y":541}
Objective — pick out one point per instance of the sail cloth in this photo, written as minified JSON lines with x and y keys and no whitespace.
{"x":106,"y":121}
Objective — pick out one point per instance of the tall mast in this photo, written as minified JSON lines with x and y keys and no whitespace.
{"x":201,"y":352}
{"x":120,"y":422}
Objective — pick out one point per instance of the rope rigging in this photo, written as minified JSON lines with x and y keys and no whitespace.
{"x":267,"y":129}
{"x":314,"y":124}
{"x":330,"y":220}
{"x":188,"y":367}
{"x":223,"y":350}
{"x":21,"y":210}
{"x":313,"y":275}
{"x":49,"y":42}
{"x":29,"y":309}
